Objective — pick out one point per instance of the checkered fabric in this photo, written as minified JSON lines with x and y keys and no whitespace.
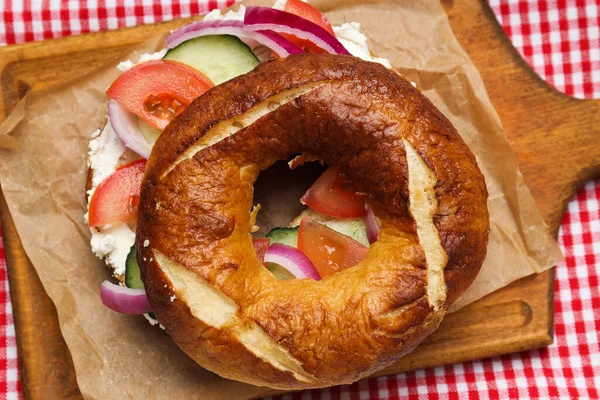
{"x":10,"y":386}
{"x":28,"y":20}
{"x":561,"y":42}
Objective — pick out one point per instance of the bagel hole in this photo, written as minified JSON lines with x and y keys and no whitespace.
{"x":278,"y":190}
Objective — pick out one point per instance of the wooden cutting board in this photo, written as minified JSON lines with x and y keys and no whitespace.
{"x":557,"y":140}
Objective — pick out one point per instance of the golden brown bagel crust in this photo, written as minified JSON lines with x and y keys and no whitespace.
{"x":355,"y":322}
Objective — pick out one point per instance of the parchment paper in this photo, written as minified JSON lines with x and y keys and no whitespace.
{"x":43,"y":171}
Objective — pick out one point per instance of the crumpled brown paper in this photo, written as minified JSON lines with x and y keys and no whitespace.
{"x":43,"y":151}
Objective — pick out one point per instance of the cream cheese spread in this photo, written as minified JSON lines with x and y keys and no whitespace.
{"x":355,"y":42}
{"x":128,"y":64}
{"x":216,"y":14}
{"x":109,"y":242}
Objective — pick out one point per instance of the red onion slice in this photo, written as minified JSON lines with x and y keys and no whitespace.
{"x":123,"y":299}
{"x":125,"y":125}
{"x":292,"y":259}
{"x":272,"y":40}
{"x":266,"y":18}
{"x":372,"y":226}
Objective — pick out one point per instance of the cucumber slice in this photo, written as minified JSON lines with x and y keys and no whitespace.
{"x":219,"y":57}
{"x":279,"y":272}
{"x":132,"y":275}
{"x":288,"y":236}
{"x":132,"y":271}
{"x":149,"y":133}
{"x":353,"y":227}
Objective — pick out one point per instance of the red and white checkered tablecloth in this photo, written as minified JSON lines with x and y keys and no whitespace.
{"x":10,"y":386}
{"x":561,"y":41}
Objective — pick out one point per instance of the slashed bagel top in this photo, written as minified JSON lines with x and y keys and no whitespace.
{"x":195,"y":250}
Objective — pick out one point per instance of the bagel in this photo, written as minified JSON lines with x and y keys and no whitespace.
{"x":194,"y":247}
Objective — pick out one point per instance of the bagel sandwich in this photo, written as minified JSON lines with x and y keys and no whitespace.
{"x":394,"y":231}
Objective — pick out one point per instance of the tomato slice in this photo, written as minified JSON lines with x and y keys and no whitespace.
{"x":311,"y":13}
{"x":261,"y":246}
{"x":331,"y":195}
{"x":157,"y":91}
{"x":117,"y":198}
{"x":330,"y":251}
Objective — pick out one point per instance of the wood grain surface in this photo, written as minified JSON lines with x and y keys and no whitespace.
{"x":557,"y":145}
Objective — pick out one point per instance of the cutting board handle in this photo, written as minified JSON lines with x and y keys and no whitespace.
{"x":557,"y":137}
